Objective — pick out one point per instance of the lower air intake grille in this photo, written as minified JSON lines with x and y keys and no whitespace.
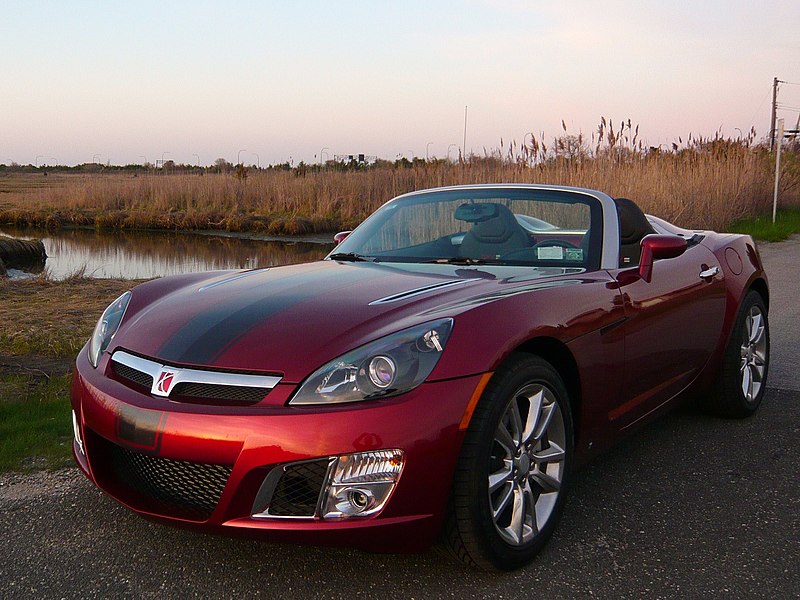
{"x":176,"y":488}
{"x":298,"y":490}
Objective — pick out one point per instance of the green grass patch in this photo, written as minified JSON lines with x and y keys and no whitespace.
{"x":787,"y":222}
{"x":35,"y":426}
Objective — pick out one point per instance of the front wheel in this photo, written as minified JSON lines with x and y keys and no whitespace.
{"x":511,"y":480}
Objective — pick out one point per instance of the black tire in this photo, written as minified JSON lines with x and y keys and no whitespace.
{"x":746,"y":355}
{"x":509,"y":541}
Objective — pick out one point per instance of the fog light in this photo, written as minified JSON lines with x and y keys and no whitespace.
{"x":361,"y":484}
{"x":361,"y":500}
{"x":76,"y":431}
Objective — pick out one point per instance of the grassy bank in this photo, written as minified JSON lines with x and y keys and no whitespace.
{"x":706,"y":183}
{"x":43,"y":324}
{"x":35,"y":427}
{"x":787,"y":222}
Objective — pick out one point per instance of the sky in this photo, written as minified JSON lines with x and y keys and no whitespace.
{"x":268,"y":82}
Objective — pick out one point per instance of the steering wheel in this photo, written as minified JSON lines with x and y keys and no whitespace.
{"x":562,"y":243}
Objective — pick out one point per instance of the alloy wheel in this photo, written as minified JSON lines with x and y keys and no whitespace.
{"x":753,"y":353}
{"x":527,"y":462}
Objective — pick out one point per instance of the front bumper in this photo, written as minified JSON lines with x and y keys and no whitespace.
{"x":185,"y":447}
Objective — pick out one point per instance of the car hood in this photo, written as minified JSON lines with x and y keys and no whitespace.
{"x":291,"y":320}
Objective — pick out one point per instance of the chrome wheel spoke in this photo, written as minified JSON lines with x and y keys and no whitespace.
{"x":516,"y":424}
{"x":547,"y":482}
{"x":544,"y":420}
{"x":530,"y":509}
{"x":517,"y":515}
{"x":503,"y":503}
{"x":747,"y":382}
{"x":554,"y":453}
{"x":755,"y":328}
{"x":534,"y":415}
{"x":500,"y":477}
{"x":503,"y":437}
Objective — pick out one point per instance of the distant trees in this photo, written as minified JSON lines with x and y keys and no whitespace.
{"x":223,"y":166}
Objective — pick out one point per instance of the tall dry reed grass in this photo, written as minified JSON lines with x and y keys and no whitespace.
{"x":703,"y":182}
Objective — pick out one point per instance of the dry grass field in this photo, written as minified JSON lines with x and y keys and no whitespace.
{"x":705,"y":183}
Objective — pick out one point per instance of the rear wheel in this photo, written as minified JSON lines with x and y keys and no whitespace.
{"x":743,"y":376}
{"x":512,"y":475}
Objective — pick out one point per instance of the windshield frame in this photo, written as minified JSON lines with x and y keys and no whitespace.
{"x":356,"y":241}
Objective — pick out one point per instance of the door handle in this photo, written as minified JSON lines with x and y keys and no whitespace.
{"x":708,"y":273}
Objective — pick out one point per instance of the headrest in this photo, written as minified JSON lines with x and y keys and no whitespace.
{"x":498,"y":228}
{"x":633,"y":225}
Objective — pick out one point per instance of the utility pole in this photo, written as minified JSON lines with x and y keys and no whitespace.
{"x":464,"y":154}
{"x":774,"y":113}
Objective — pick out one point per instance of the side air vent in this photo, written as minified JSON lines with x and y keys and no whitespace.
{"x":419,"y":291}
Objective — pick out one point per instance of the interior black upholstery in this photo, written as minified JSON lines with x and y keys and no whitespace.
{"x":494,"y":237}
{"x":633,"y":226}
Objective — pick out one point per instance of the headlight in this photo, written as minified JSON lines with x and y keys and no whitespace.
{"x":106,"y":327}
{"x":389,"y":366}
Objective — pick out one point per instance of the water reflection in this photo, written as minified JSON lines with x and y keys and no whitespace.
{"x":143,"y":255}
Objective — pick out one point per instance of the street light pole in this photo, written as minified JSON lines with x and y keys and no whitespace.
{"x":197,"y":156}
{"x":258,"y":160}
{"x":464,"y":153}
{"x":321,"y":152}
{"x":428,"y":145}
{"x":38,"y":156}
{"x":238,"y":157}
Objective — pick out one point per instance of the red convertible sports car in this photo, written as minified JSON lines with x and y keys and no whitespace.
{"x":439,"y":376}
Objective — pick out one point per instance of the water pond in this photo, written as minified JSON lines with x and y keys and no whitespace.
{"x":146,"y":254}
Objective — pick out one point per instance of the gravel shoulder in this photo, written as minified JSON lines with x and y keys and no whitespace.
{"x":782,"y":264}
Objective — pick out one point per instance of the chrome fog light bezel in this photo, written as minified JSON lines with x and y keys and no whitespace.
{"x":76,"y":432}
{"x":360,"y":484}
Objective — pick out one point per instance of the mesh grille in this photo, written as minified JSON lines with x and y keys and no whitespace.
{"x":132,"y":374}
{"x":298,"y":490}
{"x":173,"y":487}
{"x":234,"y":394}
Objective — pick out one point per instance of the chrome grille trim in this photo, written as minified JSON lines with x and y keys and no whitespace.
{"x":419,"y":291}
{"x":183,"y":375}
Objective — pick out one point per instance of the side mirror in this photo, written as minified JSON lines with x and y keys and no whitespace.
{"x":341,"y":236}
{"x":655,"y":247}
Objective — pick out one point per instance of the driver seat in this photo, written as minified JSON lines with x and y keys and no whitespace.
{"x":494,"y":237}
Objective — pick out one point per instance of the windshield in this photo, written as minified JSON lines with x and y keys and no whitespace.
{"x":508,"y":226}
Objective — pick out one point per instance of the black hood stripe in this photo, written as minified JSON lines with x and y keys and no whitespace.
{"x":240,"y":307}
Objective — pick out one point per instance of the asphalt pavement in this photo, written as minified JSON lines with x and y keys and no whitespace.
{"x":691,"y":506}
